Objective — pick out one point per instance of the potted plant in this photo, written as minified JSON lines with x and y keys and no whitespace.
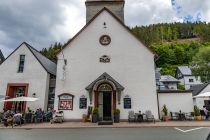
{"x":197,"y":113}
{"x":95,"y":115}
{"x":117,"y":116}
{"x":165,"y":113}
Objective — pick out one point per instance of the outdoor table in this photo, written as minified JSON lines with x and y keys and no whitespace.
{"x":139,"y":117}
{"x":181,"y":116}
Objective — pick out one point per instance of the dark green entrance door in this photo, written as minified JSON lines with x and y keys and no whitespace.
{"x":107,"y":106}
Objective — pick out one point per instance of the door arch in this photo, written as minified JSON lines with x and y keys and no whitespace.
{"x":105,"y":100}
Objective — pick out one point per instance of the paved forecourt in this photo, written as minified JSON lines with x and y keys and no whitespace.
{"x":158,"y":133}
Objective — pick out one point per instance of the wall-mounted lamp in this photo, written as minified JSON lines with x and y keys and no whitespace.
{"x":65,"y":61}
{"x":34,"y":95}
{"x":105,"y":25}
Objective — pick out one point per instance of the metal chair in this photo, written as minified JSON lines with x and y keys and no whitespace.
{"x":149,"y":116}
{"x":189,"y":116}
{"x":28,"y":117}
{"x":131,"y":116}
{"x":174,"y":115}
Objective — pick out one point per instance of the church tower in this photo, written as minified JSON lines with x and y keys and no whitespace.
{"x":94,"y":6}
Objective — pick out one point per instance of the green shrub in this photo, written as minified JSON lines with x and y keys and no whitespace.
{"x":197,"y":111}
{"x":165,"y":110}
{"x":95,"y":111}
{"x":117,"y":111}
{"x":181,"y":87}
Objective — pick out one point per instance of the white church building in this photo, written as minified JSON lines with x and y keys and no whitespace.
{"x":106,"y":65}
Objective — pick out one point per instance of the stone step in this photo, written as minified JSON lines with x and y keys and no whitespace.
{"x":105,"y":123}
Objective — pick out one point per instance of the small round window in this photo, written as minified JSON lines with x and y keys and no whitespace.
{"x":105,"y":40}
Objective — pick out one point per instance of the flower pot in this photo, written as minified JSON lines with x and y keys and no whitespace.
{"x":95,"y":118}
{"x":198,"y":118}
{"x":84,"y":118}
{"x":116,"y":118}
{"x":165,"y":118}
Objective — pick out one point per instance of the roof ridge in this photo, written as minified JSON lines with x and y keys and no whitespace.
{"x":28,"y":45}
{"x":46,"y":63}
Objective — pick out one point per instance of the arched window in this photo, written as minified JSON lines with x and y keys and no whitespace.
{"x":105,"y":87}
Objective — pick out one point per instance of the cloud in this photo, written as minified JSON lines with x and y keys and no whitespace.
{"x":38,"y":22}
{"x":43,"y":22}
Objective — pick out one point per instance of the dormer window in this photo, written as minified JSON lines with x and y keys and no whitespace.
{"x":21,"y":64}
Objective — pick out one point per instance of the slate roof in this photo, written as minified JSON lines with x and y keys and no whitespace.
{"x":197,"y":89}
{"x":48,"y":65}
{"x":185,"y":70}
{"x":168,"y":78}
{"x":2,"y":58}
{"x":106,"y":77}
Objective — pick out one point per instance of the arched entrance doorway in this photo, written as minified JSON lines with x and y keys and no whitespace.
{"x":105,"y":101}
{"x":104,"y":93}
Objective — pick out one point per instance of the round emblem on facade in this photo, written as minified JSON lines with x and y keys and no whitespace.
{"x":105,"y":40}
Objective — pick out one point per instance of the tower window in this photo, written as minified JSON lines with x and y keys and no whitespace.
{"x":21,"y":64}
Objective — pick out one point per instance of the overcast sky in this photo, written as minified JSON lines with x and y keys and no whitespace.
{"x":43,"y":22}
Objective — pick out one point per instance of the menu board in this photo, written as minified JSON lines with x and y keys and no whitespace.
{"x":65,"y":102}
{"x":83,"y":103}
{"x":127,"y":103}
{"x":65,"y":105}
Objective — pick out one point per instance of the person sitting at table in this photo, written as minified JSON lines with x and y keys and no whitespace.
{"x":206,"y":112}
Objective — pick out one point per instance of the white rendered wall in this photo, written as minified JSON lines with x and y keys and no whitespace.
{"x":187,"y":84}
{"x":132,"y":65}
{"x":34,"y":74}
{"x":176,"y":102}
{"x":200,"y":101}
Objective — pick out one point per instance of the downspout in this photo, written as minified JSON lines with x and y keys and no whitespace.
{"x":158,"y":105}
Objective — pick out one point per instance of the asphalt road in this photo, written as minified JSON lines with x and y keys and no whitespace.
{"x":106,"y":134}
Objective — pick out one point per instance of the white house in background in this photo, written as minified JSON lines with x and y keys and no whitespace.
{"x":175,"y":100}
{"x":186,"y":78}
{"x":105,"y":66}
{"x":1,"y":57}
{"x":199,"y":89}
{"x":27,"y":72}
{"x":169,"y":82}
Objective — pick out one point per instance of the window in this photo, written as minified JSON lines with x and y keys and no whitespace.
{"x":191,"y":80}
{"x":21,"y":63}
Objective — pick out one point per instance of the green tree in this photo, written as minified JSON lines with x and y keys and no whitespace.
{"x":201,"y":63}
{"x":51,"y":51}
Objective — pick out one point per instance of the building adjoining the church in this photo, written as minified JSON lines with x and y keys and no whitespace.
{"x":26,"y":72}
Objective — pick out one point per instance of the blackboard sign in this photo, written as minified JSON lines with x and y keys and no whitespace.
{"x":127,"y":103}
{"x":83,"y":103}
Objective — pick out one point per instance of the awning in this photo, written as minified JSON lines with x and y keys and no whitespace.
{"x":21,"y":99}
